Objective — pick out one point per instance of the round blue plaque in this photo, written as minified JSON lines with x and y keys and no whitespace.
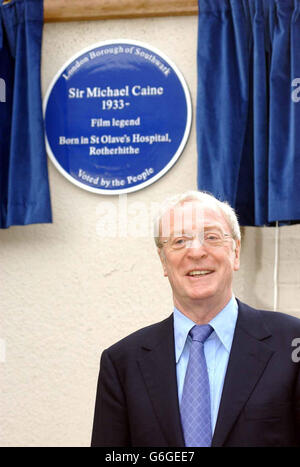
{"x":117,"y":117}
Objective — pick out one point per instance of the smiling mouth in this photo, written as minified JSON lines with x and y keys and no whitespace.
{"x":197,"y":273}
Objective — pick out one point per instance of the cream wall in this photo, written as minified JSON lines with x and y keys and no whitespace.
{"x":67,"y":293}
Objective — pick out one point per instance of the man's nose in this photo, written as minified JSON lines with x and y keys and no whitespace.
{"x":196,"y":248}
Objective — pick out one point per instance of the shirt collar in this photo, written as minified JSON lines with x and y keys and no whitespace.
{"x":223,"y":324}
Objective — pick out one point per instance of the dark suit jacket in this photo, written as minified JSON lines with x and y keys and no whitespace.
{"x":137,"y":401}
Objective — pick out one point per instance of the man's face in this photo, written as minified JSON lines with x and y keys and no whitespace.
{"x":216,"y":263}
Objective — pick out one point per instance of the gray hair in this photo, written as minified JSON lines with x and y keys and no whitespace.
{"x":205,"y":198}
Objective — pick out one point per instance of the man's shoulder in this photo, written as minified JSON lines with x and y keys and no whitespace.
{"x":273,"y":320}
{"x":148,"y":336}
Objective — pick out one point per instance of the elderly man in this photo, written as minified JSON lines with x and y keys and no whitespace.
{"x":216,"y":372}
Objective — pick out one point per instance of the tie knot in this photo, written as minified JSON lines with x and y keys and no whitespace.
{"x":201,"y":332}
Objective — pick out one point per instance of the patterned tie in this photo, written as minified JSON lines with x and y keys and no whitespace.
{"x":195,"y":402}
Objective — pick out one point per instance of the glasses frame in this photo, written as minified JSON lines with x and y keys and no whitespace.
{"x":226,"y":237}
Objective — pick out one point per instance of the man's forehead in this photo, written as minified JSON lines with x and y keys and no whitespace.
{"x":189,"y":215}
{"x":205,"y":227}
{"x":195,"y":212}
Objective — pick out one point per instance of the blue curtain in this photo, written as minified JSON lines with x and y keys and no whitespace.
{"x":247,"y":113}
{"x":24,"y":187}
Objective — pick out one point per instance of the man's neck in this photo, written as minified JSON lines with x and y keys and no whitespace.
{"x":202,"y":312}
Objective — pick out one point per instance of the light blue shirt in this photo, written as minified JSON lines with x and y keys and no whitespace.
{"x":216,"y":349}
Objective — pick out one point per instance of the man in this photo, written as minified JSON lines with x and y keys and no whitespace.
{"x":216,"y":372}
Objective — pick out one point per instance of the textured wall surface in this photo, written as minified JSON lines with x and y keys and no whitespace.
{"x":66,"y":293}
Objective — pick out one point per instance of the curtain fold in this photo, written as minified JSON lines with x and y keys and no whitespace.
{"x":24,"y":186}
{"x":248,"y":56}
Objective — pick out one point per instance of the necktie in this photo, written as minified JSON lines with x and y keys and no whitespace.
{"x":195,"y":402}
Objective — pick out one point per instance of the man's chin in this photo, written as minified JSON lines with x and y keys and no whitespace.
{"x":201,"y":295}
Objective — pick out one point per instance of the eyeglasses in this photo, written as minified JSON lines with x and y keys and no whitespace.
{"x":207,"y":239}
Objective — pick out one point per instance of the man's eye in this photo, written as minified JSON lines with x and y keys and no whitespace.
{"x":179,"y":241}
{"x":212,"y":237}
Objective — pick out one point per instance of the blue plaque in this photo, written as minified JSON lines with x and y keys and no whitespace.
{"x":117,"y":117}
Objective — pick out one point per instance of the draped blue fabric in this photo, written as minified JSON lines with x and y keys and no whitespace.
{"x":24,"y":187}
{"x":247,"y":114}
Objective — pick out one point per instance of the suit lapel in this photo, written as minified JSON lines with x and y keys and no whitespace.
{"x":158,"y":367}
{"x":248,"y":358}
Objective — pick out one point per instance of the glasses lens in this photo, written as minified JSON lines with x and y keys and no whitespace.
{"x":207,"y":239}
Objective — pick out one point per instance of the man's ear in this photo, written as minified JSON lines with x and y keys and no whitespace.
{"x":237,"y":254}
{"x":162,"y":257}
